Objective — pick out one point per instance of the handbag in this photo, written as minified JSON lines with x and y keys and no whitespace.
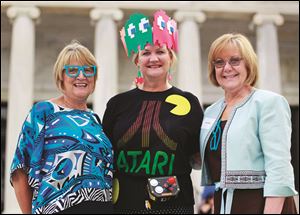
{"x":162,"y":189}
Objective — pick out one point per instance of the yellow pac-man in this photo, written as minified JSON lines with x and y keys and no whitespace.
{"x":183,"y":105}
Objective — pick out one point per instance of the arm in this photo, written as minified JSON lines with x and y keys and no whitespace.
{"x":195,"y":161}
{"x":29,"y":152}
{"x":196,"y":121}
{"x":275,"y":138}
{"x":22,"y":190}
{"x":108,"y":119}
{"x":274,"y":205}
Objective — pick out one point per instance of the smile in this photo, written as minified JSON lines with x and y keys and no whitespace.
{"x":80,"y":85}
{"x":154,"y":66}
{"x":230,"y":76}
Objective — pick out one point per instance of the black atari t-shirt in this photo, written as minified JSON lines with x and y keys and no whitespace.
{"x":153,"y":134}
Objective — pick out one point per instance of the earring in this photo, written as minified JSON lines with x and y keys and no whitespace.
{"x":169,"y":75}
{"x":139,"y":79}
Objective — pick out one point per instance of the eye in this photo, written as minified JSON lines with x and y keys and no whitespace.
{"x":234,"y":59}
{"x":145,"y":53}
{"x":144,"y":25}
{"x":89,"y":70}
{"x":160,"y":52}
{"x":161,"y":23}
{"x":73,"y":70}
{"x":170,"y":27}
{"x":219,"y":63}
{"x":131,"y":31}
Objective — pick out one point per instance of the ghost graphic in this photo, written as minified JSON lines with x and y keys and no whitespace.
{"x":137,"y":33}
{"x":164,"y":30}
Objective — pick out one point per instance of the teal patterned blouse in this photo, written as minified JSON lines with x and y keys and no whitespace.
{"x":67,"y":157}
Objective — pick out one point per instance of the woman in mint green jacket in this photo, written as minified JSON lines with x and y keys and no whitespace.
{"x":245,"y":136}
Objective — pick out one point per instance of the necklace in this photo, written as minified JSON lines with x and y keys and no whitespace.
{"x":215,"y":140}
{"x":72,"y":106}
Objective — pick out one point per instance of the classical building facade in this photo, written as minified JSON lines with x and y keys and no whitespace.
{"x":33,"y":33}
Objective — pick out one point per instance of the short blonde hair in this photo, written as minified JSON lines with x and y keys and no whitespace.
{"x":73,"y":51}
{"x":245,"y":48}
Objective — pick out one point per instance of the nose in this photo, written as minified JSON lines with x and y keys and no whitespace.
{"x":153,"y":58}
{"x":81,"y":75}
{"x":227,"y":66}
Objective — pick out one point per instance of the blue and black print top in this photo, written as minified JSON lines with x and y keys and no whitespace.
{"x":67,"y":157}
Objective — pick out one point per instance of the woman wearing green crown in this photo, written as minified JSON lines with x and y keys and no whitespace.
{"x":154,"y":128}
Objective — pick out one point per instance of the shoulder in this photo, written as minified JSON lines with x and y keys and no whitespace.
{"x":268,"y":98}
{"x":215,"y":106}
{"x":43,"y":106}
{"x":40,"y":111}
{"x":265,"y":94}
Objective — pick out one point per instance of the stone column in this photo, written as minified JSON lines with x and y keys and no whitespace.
{"x":106,"y":53}
{"x":189,"y":66}
{"x":20,"y":94}
{"x":268,"y":51}
{"x":189,"y":59}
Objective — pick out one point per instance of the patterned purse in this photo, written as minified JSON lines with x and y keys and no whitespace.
{"x":162,"y":189}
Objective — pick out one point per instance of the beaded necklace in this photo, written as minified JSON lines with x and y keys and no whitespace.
{"x":215,"y":140}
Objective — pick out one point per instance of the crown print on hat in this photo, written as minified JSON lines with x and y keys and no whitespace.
{"x":138,"y":32}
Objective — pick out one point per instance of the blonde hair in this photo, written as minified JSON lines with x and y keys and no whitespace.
{"x":73,"y":51}
{"x":245,"y":48}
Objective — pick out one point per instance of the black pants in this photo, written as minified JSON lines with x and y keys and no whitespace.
{"x":90,"y":207}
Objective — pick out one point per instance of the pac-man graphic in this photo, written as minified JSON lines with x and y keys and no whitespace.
{"x":183,"y":105}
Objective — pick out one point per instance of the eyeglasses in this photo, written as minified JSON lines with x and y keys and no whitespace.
{"x":234,"y":61}
{"x":73,"y":71}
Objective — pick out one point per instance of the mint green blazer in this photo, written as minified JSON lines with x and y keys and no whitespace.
{"x":255,"y":143}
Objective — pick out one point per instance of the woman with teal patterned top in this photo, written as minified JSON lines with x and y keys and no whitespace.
{"x":63,"y":161}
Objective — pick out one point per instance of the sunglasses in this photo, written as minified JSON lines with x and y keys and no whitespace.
{"x":234,"y":61}
{"x":73,"y":71}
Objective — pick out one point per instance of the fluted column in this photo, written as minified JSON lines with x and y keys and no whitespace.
{"x":106,"y":53}
{"x":189,"y":63}
{"x":268,"y":51}
{"x":20,"y":88}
